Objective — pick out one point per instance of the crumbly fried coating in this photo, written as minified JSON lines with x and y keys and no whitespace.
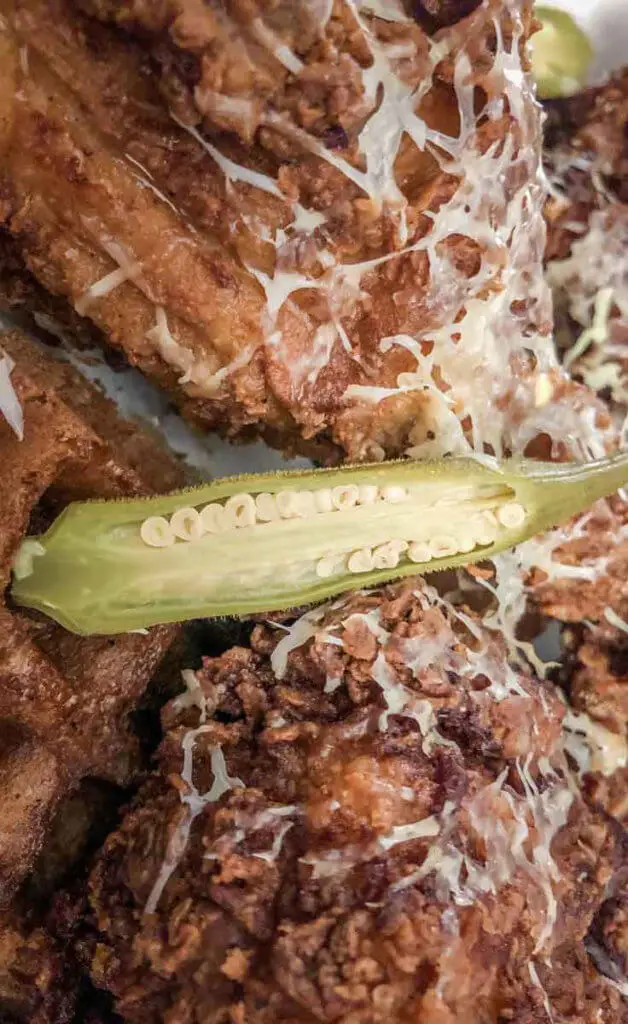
{"x":41,"y":981}
{"x":596,"y":551}
{"x":306,"y":263}
{"x":34,"y":982}
{"x":572,"y":987}
{"x":592,"y":125}
{"x":591,"y":597}
{"x":368,"y":818}
{"x":586,"y":160}
{"x":585,"y":589}
{"x":599,"y":683}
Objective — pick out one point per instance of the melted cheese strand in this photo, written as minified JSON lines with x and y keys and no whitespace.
{"x":10,"y":407}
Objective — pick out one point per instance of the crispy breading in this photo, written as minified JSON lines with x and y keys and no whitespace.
{"x":34,"y":982}
{"x":572,"y":987}
{"x":594,"y":605}
{"x":293,"y":257}
{"x":586,"y":161}
{"x":589,"y":596}
{"x":389,"y":838}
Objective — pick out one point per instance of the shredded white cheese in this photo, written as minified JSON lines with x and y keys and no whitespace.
{"x":593,"y":747}
{"x":194,"y":803}
{"x":10,"y":406}
{"x":534,"y":976}
{"x":296,"y":635}
{"x":426,"y":828}
{"x":615,"y":620}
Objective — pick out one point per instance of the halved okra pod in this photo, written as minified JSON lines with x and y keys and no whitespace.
{"x":561,"y":54}
{"x":279,"y":540}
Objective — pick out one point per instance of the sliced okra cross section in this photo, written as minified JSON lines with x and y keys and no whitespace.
{"x":274,"y":541}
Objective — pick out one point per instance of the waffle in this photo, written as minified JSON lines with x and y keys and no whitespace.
{"x":64,"y":700}
{"x":37,"y":310}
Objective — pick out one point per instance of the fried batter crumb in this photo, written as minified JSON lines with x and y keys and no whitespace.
{"x":403,"y":845}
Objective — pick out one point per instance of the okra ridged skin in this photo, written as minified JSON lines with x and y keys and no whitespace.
{"x":275,"y":541}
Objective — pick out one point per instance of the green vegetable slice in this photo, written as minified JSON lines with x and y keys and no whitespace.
{"x":266,"y":542}
{"x":561,"y":54}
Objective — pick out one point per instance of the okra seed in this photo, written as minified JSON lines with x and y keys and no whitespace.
{"x":186,"y":524}
{"x":466,"y":544}
{"x":394,"y":494}
{"x":345,"y":496}
{"x":305,"y":504}
{"x":386,"y":556}
{"x":157,"y":532}
{"x":327,"y":565}
{"x":367,"y":494}
{"x":240,"y":510}
{"x":419,"y":552}
{"x":484,"y":528}
{"x":266,"y":507}
{"x":288,"y":504}
{"x":360,"y":561}
{"x":443,"y":545}
{"x":214,"y":519}
{"x":511,"y":515}
{"x":323,"y":500}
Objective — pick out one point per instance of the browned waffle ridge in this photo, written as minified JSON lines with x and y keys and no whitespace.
{"x":63,"y":699}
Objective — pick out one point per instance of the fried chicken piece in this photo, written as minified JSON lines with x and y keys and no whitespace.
{"x":64,"y":700}
{"x":583,"y":586}
{"x":309,"y":252}
{"x":364,"y":819}
{"x":587,"y":216}
{"x":607,"y":940}
{"x":595,"y":553}
{"x":586,"y":160}
{"x":571,"y":986}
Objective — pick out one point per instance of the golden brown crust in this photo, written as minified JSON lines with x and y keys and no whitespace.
{"x":34,"y":983}
{"x":392,"y":715}
{"x":587,"y":216}
{"x":266,"y":328}
{"x":590,"y":597}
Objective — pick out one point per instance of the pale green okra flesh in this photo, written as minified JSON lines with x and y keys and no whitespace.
{"x":561,"y":54}
{"x":93,"y":572}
